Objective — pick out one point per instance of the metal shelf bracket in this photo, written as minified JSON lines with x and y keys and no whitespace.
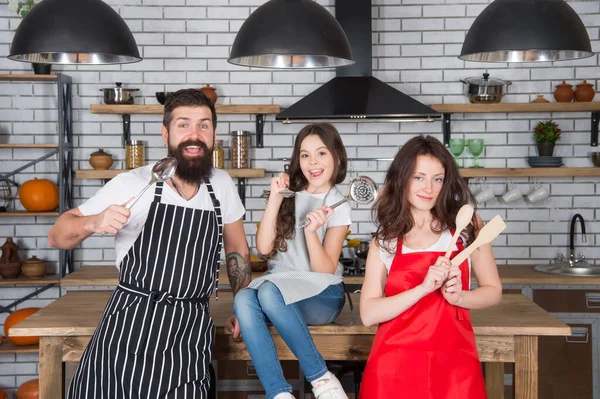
{"x":126,"y":129}
{"x":594,"y":133}
{"x":446,"y":119}
{"x":260,"y":127}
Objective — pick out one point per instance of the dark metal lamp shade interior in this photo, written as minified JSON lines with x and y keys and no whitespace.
{"x":74,"y":32}
{"x":526,"y":31}
{"x":291,"y":34}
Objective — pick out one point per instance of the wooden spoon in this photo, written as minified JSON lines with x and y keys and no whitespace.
{"x":463,"y":218}
{"x":490,"y":231}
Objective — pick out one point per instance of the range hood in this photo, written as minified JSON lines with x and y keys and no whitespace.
{"x":354,"y":95}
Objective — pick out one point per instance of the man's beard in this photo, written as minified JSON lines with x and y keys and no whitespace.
{"x":197,"y":169}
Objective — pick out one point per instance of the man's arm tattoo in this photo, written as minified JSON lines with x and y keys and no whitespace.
{"x":238,"y":270}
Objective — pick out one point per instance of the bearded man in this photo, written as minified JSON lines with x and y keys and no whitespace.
{"x":155,"y":337}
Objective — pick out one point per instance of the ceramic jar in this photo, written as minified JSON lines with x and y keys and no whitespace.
{"x":100,"y":160}
{"x":585,"y":92}
{"x":10,"y":263}
{"x":34,"y":267}
{"x":210,"y":92}
{"x":564,"y":93}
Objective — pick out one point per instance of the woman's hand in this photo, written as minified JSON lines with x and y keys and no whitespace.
{"x":452,"y":288}
{"x":278,"y":183}
{"x":436,"y":275}
{"x":317,"y":218}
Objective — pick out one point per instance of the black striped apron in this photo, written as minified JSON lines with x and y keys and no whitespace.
{"x":155,"y":337}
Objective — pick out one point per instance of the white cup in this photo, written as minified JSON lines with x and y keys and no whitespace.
{"x":537,"y":195}
{"x":512,"y":195}
{"x":484,"y":195}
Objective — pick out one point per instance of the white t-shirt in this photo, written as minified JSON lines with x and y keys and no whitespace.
{"x":127,"y":185}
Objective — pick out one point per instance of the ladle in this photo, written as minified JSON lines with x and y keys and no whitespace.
{"x":161,"y":171}
{"x":463,"y":218}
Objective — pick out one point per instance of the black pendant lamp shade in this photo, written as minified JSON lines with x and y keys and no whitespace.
{"x":526,"y":31}
{"x":73,"y":32}
{"x":291,"y":34}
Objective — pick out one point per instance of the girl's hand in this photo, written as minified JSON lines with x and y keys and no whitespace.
{"x":453,"y":286}
{"x":278,"y":183}
{"x":443,"y":261}
{"x":436,"y":275}
{"x":317,"y":218}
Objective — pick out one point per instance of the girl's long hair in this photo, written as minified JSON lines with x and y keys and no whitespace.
{"x":286,"y":219}
{"x":391,"y":211}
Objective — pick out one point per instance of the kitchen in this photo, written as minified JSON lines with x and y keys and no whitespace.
{"x":415,"y":49}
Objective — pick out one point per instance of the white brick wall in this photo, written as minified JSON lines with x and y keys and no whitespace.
{"x":416,"y":42}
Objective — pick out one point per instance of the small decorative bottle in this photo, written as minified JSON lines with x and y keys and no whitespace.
{"x":218,"y":155}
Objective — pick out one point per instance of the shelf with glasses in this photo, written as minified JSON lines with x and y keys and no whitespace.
{"x":529,"y":172}
{"x":448,"y":109}
{"x":126,"y":110}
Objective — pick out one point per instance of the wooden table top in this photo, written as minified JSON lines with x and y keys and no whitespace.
{"x":510,"y":275}
{"x":77,"y":313}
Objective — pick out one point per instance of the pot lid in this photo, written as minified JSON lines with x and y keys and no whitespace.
{"x":34,"y":259}
{"x":485,"y":81}
{"x":99,"y":152}
{"x":585,"y":84}
{"x":119,"y":88}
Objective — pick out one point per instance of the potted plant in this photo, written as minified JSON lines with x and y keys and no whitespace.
{"x":546,"y":134}
{"x":22,"y":8}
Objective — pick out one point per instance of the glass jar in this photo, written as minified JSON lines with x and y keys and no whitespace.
{"x":134,"y":154}
{"x":218,"y":155}
{"x":240,"y":149}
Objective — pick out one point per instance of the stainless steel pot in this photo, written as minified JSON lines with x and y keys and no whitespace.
{"x":118,"y":95}
{"x":485,"y":90}
{"x":362,"y":249}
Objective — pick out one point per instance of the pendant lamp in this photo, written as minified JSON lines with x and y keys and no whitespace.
{"x":526,"y":31}
{"x":73,"y":32}
{"x":291,"y":34}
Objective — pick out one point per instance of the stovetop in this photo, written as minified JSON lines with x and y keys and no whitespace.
{"x":356,"y":269}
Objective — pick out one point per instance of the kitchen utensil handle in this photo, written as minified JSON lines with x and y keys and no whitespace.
{"x":305,"y":222}
{"x":137,"y":197}
{"x":490,"y":231}
{"x":452,"y":243}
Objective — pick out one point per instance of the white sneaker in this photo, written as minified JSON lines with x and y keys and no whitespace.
{"x":284,"y":395}
{"x":332,"y":389}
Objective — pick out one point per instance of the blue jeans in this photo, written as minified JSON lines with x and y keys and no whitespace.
{"x":255,"y":308}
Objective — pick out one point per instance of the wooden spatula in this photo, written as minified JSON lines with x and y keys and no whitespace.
{"x":463,"y":218}
{"x":490,"y":231}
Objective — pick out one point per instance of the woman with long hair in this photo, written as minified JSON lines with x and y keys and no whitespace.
{"x":424,"y":346}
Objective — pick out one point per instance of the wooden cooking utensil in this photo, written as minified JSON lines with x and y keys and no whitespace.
{"x":463,"y":218}
{"x":490,"y":231}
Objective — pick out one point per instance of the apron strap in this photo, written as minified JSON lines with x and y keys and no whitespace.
{"x":217,"y":206}
{"x":158,"y":191}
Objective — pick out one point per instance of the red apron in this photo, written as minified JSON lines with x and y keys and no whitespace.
{"x":428,"y":351}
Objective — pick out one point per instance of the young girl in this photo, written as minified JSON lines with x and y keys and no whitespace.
{"x":303,"y":285}
{"x":424,"y":346}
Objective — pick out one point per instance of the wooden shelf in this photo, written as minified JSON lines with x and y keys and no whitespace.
{"x":517,"y":107}
{"x":28,"y":145}
{"x":158,"y":109}
{"x":27,"y":214}
{"x":9,"y":347}
{"x":529,"y":172}
{"x":110,"y":173}
{"x":26,"y":77}
{"x":23,"y":280}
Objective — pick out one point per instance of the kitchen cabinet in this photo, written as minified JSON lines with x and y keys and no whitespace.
{"x":126,"y":110}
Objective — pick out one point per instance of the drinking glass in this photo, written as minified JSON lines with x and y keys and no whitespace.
{"x":457,"y":146}
{"x":475,"y":148}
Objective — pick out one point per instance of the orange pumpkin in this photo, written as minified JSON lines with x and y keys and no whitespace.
{"x":39,"y":195}
{"x":29,"y":390}
{"x":3,"y":394}
{"x":16,"y":317}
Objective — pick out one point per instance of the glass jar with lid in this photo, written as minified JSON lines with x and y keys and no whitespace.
{"x":218,"y":155}
{"x":240,"y":149}
{"x":134,"y":154}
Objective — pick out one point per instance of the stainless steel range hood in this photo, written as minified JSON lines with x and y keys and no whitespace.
{"x":354,"y":95}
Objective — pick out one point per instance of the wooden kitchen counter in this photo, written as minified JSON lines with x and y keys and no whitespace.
{"x":510,"y":275}
{"x":507,"y":332}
